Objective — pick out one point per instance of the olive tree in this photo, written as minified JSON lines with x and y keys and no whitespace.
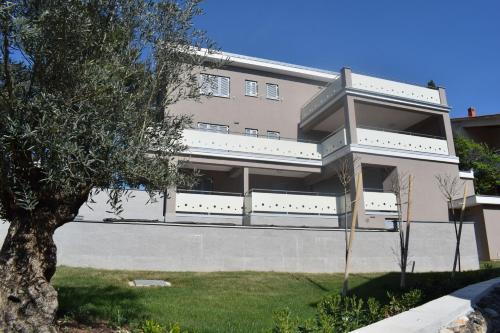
{"x":84,"y":85}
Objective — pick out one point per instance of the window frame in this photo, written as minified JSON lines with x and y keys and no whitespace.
{"x":277,"y":91}
{"x":256,"y":88}
{"x":219,"y":86}
{"x":277,"y":137}
{"x":256,"y":135}
{"x":226,"y":131}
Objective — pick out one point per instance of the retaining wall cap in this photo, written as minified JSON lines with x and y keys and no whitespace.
{"x":432,"y":316}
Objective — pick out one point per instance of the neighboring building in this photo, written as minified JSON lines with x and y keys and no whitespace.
{"x":484,"y":129}
{"x":269,"y":138}
{"x":484,"y":210}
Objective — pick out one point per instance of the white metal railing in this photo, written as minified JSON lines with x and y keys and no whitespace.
{"x":398,"y":89}
{"x":201,"y":202}
{"x":205,"y":141}
{"x":321,"y":98}
{"x":334,"y":142}
{"x":380,"y":201}
{"x":410,"y":142}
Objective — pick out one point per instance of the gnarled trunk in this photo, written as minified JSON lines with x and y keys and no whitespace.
{"x":28,"y":303}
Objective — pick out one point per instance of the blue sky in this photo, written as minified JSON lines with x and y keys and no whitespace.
{"x":454,"y":43}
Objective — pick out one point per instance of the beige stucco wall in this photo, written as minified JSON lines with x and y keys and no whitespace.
{"x":491,"y":215}
{"x":240,"y":111}
{"x":428,"y":203}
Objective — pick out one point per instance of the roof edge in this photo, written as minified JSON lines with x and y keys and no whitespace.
{"x":269,"y":65}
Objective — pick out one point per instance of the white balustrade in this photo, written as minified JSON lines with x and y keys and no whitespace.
{"x":208,"y":203}
{"x":334,"y":142}
{"x":213,"y":203}
{"x":269,"y":202}
{"x":205,"y":141}
{"x":398,"y":89}
{"x":380,"y":201}
{"x":409,"y":142}
{"x":321,"y":98}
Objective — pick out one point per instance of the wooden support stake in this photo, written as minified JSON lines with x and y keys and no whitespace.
{"x":459,"y":235}
{"x":407,"y":234}
{"x":354,"y":219}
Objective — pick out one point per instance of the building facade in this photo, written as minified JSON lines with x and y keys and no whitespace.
{"x":268,"y":143}
{"x":269,"y":140}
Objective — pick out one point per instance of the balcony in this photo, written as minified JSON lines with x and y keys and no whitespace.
{"x":333,"y":142}
{"x":290,"y":202}
{"x":250,"y":147}
{"x":402,"y":141}
{"x":364,"y":84}
{"x":209,"y":203}
{"x":380,"y":201}
{"x":277,"y":202}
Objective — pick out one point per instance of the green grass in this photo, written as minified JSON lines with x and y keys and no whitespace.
{"x":222,"y":302}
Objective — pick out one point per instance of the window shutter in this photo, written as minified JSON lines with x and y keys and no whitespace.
{"x":272,"y":91}
{"x":250,"y":88}
{"x":223,"y":86}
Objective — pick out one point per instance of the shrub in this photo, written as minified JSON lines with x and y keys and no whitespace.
{"x":401,"y":303}
{"x":338,"y":314}
{"x":151,"y":326}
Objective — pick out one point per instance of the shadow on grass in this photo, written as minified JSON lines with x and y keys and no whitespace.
{"x":87,"y":305}
{"x":433,"y":284}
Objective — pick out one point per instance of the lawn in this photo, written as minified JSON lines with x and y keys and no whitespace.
{"x":224,"y":301}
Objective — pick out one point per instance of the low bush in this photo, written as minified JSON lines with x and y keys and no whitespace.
{"x":338,"y":314}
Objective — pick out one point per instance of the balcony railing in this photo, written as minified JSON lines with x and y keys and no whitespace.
{"x":372,"y":85}
{"x":380,"y":201}
{"x":396,"y":89}
{"x":277,"y":202}
{"x":403,"y":141}
{"x":290,"y":202}
{"x":333,"y":142}
{"x":321,"y":98}
{"x":209,"y":203}
{"x":206,"y":142}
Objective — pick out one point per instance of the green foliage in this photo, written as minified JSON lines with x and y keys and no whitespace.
{"x":483,"y":160}
{"x":338,"y":314}
{"x":404,"y":302}
{"x":151,"y":326}
{"x":85,"y":89}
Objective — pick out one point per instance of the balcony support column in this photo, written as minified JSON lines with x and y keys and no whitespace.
{"x":350,"y":120}
{"x":169,"y":206}
{"x":449,"y":134}
{"x":246,"y":180}
{"x":357,"y":167}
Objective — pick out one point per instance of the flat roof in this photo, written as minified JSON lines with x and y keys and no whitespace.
{"x":271,"y":65}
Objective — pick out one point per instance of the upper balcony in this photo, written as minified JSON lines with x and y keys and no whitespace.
{"x":235,"y":145}
{"x":371,"y":86}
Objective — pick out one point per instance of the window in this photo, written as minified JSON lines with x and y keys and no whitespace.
{"x":273,"y":135}
{"x":250,"y":88}
{"x":272,"y":91}
{"x":214,"y":85}
{"x":213,"y":127}
{"x":251,"y":132}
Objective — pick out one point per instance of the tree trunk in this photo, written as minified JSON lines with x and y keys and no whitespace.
{"x":28,"y":303}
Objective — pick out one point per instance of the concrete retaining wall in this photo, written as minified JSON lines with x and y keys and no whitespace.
{"x":177,"y":247}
